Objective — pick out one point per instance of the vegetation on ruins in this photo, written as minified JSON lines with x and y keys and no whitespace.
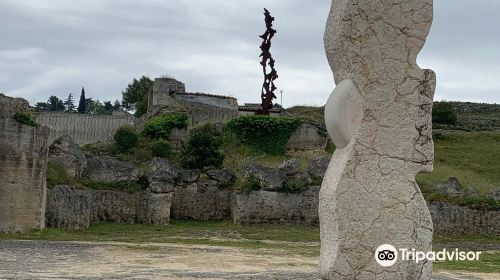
{"x":25,"y":118}
{"x":161,"y":148}
{"x":161,"y":127}
{"x":295,"y":185}
{"x":201,"y":149}
{"x":126,"y":138}
{"x":136,"y":92}
{"x":263,"y":134}
{"x":249,"y":184}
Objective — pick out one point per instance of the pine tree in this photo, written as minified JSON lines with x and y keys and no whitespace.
{"x":82,"y":105}
{"x":55,"y":104}
{"x":69,"y":104}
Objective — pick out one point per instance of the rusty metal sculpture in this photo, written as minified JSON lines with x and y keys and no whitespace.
{"x":268,"y":87}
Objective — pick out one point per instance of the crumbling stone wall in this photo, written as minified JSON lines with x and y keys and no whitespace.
{"x":23,"y":164}
{"x":84,"y":129}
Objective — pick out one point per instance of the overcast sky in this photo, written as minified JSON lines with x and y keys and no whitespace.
{"x":56,"y":47}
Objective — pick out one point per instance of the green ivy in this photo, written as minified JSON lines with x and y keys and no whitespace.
{"x":160,"y":127}
{"x":263,"y":134}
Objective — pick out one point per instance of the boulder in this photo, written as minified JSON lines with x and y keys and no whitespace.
{"x":451,"y":188}
{"x":224,"y":176}
{"x":290,"y":166}
{"x":161,"y":187}
{"x":189,"y":176}
{"x":69,"y":154}
{"x":270,"y":179}
{"x":108,"y":169}
{"x":317,"y":166}
{"x":162,"y":170}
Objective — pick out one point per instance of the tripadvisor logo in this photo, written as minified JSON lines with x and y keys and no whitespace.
{"x":386,"y":255}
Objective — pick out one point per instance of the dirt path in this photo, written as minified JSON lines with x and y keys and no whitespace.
{"x":85,"y":260}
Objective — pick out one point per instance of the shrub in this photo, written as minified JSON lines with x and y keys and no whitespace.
{"x":25,"y":118}
{"x":442,"y":113}
{"x":264,"y":134}
{"x":126,"y":138}
{"x":294,"y":185}
{"x":250,"y":184}
{"x":160,"y":127}
{"x":201,"y":149}
{"x":161,"y":148}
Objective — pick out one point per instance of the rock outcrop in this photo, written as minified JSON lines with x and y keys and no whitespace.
{"x":270,"y":179}
{"x":23,"y":165}
{"x":379,"y":118}
{"x":65,"y":151}
{"x":163,"y":176}
{"x":68,"y":207}
{"x":108,"y":169}
{"x":318,"y":166}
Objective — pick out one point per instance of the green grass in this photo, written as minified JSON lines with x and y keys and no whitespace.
{"x":474,"y":158}
{"x":487,"y":263}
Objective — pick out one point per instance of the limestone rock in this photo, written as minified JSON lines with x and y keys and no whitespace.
{"x":188,"y":176}
{"x":157,"y":208}
{"x":495,"y":195}
{"x":161,"y":187}
{"x":108,"y":169}
{"x":317,"y":167}
{"x":68,"y":207}
{"x":307,"y":137}
{"x":451,"y":188}
{"x":290,"y":166}
{"x":380,"y":119}
{"x":69,"y":154}
{"x":270,"y":179}
{"x":162,"y":170}
{"x":224,"y":176}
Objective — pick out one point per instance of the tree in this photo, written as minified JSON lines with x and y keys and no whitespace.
{"x":135,"y":92}
{"x":82,"y":105}
{"x":69,"y":104}
{"x":55,"y":104}
{"x":108,"y":107}
{"x":94,"y":107}
{"x":201,"y":150}
{"x":42,"y":106}
{"x":443,"y":113}
{"x":117,"y":106}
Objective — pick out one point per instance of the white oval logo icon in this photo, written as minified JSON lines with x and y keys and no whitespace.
{"x":386,"y":255}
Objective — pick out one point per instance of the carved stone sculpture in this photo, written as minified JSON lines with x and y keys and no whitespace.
{"x":379,"y":117}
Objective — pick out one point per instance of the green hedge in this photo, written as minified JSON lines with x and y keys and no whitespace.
{"x":263,"y":134}
{"x":160,"y":127}
{"x":126,"y":138}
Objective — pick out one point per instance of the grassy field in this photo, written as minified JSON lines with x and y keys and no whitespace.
{"x":301,"y":240}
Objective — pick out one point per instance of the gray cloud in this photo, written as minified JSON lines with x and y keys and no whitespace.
{"x":55,"y":47}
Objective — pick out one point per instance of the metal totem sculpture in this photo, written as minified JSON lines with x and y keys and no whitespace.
{"x":268,"y":87}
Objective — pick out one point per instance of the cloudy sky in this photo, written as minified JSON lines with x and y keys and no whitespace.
{"x":56,"y":47}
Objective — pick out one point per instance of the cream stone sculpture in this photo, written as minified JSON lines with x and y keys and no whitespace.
{"x":379,"y":117}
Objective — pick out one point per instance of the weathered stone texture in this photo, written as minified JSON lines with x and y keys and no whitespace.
{"x":84,"y":129}
{"x":116,"y":206}
{"x":202,"y":201}
{"x":307,"y":137}
{"x":65,"y":151}
{"x":108,"y":169}
{"x":274,"y":207}
{"x":379,"y":118}
{"x":23,"y":164}
{"x":68,"y":207}
{"x":317,"y":166}
{"x":270,"y":179}
{"x":450,"y":219}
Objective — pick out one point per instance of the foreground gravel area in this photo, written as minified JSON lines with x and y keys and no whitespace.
{"x":80,"y":260}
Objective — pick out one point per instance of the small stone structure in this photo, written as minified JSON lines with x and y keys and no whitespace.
{"x":23,"y":164}
{"x":379,"y":117}
{"x":277,"y":208}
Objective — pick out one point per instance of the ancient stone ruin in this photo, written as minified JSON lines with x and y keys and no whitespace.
{"x":379,"y":117}
{"x":23,"y":163}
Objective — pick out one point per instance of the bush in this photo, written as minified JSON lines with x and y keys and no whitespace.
{"x":264,"y":134}
{"x":126,"y":138}
{"x":201,"y":149}
{"x":442,"y":113}
{"x":294,"y":185}
{"x":161,"y":148}
{"x":160,"y":127}
{"x":25,"y":118}
{"x":250,"y":184}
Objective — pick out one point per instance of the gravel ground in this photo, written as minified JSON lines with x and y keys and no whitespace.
{"x":81,"y":260}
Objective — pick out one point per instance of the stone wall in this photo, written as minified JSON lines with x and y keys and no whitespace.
{"x":452,"y":219}
{"x":307,"y":137}
{"x":70,"y":207}
{"x":23,"y":164}
{"x":201,"y":202}
{"x":84,"y":129}
{"x":274,"y":207}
